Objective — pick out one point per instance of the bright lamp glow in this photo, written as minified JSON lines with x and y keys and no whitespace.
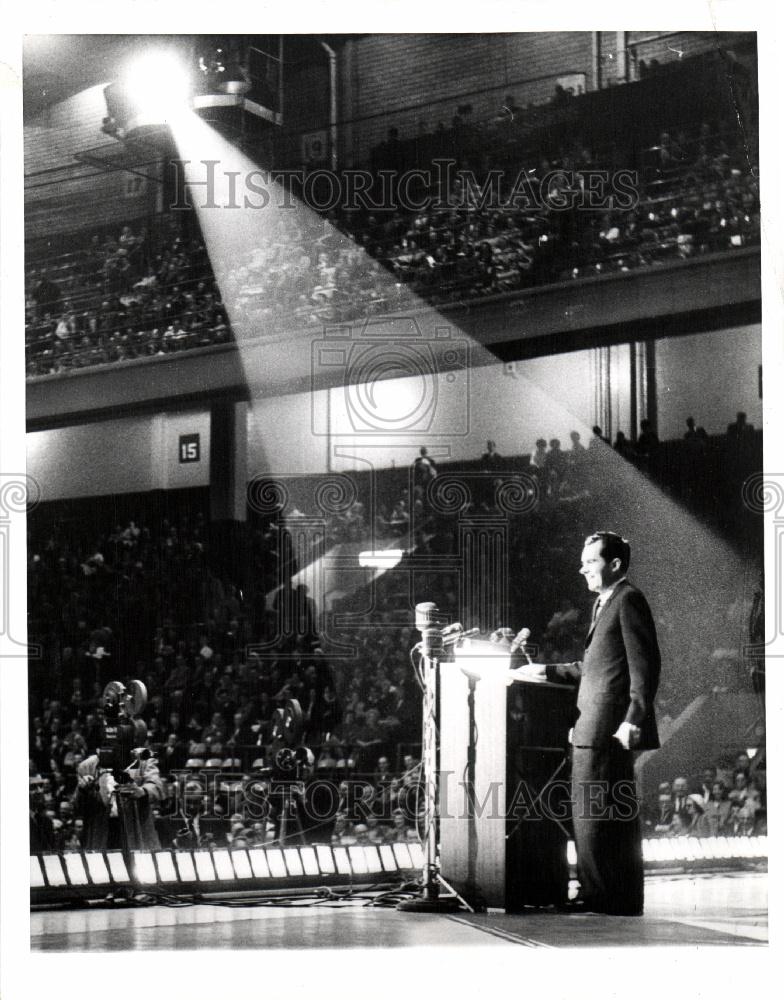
{"x":157,"y":83}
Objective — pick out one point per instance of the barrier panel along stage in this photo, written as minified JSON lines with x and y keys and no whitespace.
{"x":505,"y":845}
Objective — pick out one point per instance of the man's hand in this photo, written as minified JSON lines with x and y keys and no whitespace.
{"x":132,"y":791}
{"x":628,"y":735}
{"x":528,"y":672}
{"x":85,"y":780}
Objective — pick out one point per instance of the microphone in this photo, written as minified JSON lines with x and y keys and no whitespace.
{"x":454,"y":627}
{"x":455,"y":636}
{"x":426,"y":621}
{"x":519,"y":642}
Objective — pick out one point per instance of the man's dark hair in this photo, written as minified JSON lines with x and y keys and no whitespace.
{"x":613,"y":547}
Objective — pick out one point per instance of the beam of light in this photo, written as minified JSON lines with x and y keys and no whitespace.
{"x":690,"y":575}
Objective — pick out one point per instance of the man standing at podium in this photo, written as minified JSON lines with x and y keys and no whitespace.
{"x":617,"y":679}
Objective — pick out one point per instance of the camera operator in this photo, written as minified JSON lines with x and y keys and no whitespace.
{"x":117,"y":787}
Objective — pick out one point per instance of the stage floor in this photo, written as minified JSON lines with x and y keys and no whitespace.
{"x":705,"y":909}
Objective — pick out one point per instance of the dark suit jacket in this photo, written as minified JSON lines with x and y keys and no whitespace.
{"x":619,"y":673}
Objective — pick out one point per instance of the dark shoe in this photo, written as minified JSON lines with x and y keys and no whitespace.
{"x":574,"y":906}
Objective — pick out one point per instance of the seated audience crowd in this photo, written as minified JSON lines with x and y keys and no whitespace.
{"x":727,"y":799}
{"x":221,"y":664}
{"x":137,"y":294}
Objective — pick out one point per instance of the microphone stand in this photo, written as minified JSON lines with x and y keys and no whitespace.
{"x":431,"y":900}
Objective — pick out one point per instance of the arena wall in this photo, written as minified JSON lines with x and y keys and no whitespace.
{"x":709,"y":376}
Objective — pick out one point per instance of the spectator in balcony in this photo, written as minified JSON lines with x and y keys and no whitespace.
{"x":491,"y":459}
{"x":46,"y":295}
{"x":622,"y":446}
{"x":691,"y":433}
{"x":740,"y":431}
{"x":398,"y":832}
{"x":597,"y":439}
{"x":399,"y":518}
{"x":697,"y":824}
{"x":216,"y":730}
{"x":680,"y":795}
{"x":306,"y":613}
{"x":717,"y":808}
{"x":241,"y":734}
{"x":738,"y":823}
{"x":747,"y":796}
{"x":173,"y":754}
{"x":647,"y":442}
{"x":704,"y":784}
{"x":376,"y":833}
{"x":383,"y":774}
{"x":178,"y":678}
{"x":342,"y":831}
{"x":578,"y":451}
{"x":662,"y":820}
{"x":743,"y":763}
{"x":555,"y":465}
{"x":424,"y":468}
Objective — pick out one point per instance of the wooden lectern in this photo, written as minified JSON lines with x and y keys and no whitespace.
{"x":505,"y":844}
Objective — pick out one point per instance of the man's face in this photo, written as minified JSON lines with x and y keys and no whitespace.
{"x":679,"y":786}
{"x":599,"y":574}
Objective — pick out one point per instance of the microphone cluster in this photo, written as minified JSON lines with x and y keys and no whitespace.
{"x":456,"y":633}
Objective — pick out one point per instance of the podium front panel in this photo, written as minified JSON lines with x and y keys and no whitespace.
{"x":496,"y":849}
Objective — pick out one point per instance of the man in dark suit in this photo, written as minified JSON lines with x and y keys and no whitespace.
{"x":617,"y":679}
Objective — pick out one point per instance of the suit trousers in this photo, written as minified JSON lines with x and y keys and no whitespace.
{"x":607,"y":832}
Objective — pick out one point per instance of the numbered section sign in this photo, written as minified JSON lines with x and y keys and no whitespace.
{"x":190,"y":448}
